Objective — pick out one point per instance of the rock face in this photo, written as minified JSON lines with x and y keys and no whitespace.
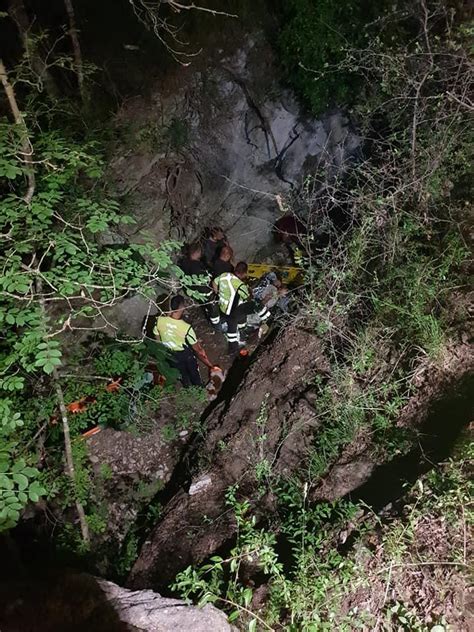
{"x":147,"y":610}
{"x":137,"y":468}
{"x":215,"y":142}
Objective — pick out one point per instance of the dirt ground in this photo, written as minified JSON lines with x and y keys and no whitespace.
{"x":214,"y":342}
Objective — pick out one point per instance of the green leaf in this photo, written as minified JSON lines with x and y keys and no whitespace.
{"x":30,"y":471}
{"x":20,"y":464}
{"x":247,"y":596}
{"x":233,"y":616}
{"x":21,"y":481}
{"x":49,"y":366}
{"x":37,"y":489}
{"x":252,"y":625}
{"x":206,"y":598}
{"x":6,"y":482}
{"x":13,"y":514}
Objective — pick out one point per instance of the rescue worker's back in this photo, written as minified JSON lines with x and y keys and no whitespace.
{"x":175,"y":334}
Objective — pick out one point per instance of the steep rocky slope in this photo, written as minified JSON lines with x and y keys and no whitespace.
{"x":214,"y":143}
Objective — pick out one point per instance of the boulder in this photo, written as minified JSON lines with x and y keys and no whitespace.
{"x":53,"y":601}
{"x":147,"y":610}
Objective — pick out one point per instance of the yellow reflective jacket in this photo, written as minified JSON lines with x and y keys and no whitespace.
{"x":230,"y":288}
{"x":174,"y":334}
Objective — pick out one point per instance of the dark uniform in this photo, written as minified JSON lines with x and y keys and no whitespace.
{"x":193,"y":267}
{"x":211,"y":250}
{"x":220,"y":267}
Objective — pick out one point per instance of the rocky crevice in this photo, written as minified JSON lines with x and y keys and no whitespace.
{"x":255,"y":426}
{"x":270,"y":419}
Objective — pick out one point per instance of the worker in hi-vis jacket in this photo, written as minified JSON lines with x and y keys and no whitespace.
{"x":235,"y":304}
{"x":180,"y":339}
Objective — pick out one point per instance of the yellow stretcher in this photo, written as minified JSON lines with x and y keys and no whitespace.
{"x":288,"y":274}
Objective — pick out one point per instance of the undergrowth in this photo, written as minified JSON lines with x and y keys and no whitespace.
{"x":307,"y":580}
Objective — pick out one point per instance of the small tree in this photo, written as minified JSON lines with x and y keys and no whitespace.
{"x":57,"y":277}
{"x":33,"y":48}
{"x":76,"y":47}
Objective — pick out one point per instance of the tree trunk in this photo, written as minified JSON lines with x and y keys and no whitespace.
{"x":17,"y":12}
{"x":70,"y":469}
{"x":69,"y":458}
{"x":76,"y":46}
{"x":27,"y":149}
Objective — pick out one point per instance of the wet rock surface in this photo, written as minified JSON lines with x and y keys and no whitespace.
{"x":214,"y":144}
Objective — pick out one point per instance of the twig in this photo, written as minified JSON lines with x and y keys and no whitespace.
{"x":252,"y":614}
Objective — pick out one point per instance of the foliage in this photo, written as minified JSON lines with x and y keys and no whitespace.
{"x":302,"y":593}
{"x":58,"y":277}
{"x":128,"y":554}
{"x":314,"y":40}
{"x":320,"y":588}
{"x":379,"y":295}
{"x":189,"y":403}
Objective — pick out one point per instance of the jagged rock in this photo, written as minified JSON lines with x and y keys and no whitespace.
{"x":267,"y":421}
{"x":147,"y":610}
{"x":54,"y":601}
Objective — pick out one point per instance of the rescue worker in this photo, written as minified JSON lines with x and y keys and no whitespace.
{"x":181,"y":341}
{"x":192,"y":265}
{"x":236,"y":303}
{"x":213,"y":245}
{"x":224,"y":262}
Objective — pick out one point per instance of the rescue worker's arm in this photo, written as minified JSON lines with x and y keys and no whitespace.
{"x":244,"y":292}
{"x":192,"y":341}
{"x":202,"y":355}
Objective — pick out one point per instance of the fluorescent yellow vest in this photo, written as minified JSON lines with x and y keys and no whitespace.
{"x":228,"y":286}
{"x":174,"y":334}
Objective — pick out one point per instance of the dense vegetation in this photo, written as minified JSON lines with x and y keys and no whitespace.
{"x":51,"y":258}
{"x":385,"y":294}
{"x":317,"y":37}
{"x":350,"y":568}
